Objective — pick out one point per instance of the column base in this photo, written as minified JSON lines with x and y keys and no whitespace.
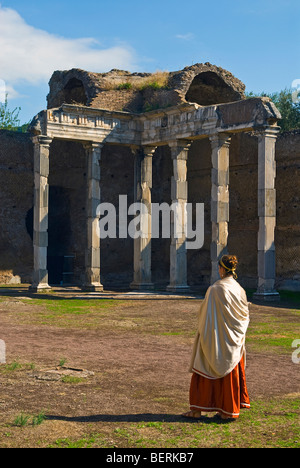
{"x":178,"y":288}
{"x":270,"y":296}
{"x":93,"y":288}
{"x":142,"y":286}
{"x":42,"y":287}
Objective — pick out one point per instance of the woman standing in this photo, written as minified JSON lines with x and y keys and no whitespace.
{"x":218,"y":361}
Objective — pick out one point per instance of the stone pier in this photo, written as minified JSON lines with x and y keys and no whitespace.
{"x":219,"y":200}
{"x":92,"y":255}
{"x":41,"y":211}
{"x":179,"y":197}
{"x":142,"y":279}
{"x":267,"y":214}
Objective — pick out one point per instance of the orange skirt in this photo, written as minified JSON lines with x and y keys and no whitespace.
{"x":226,"y":395}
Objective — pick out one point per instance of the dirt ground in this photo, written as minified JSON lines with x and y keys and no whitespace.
{"x":138,"y":352}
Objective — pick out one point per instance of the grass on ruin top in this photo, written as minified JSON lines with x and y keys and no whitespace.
{"x":158,"y":80}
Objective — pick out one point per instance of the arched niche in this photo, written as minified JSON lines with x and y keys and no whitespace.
{"x":209,"y":88}
{"x":74,"y":92}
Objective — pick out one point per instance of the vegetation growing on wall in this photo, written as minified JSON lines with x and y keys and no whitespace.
{"x":290,"y":111}
{"x":158,"y":80}
{"x":9,"y":119}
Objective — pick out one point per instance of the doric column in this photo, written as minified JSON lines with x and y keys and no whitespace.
{"x":41,"y":209}
{"x":179,"y":196}
{"x":142,"y":279}
{"x":267,"y":214}
{"x":219,"y":200}
{"x":92,"y":255}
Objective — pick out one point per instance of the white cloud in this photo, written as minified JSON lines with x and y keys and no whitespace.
{"x":185,"y":37}
{"x":29,"y":55}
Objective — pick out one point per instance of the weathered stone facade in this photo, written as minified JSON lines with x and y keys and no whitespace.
{"x":204,"y":84}
{"x":192,"y":149}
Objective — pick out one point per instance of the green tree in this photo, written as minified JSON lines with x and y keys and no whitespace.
{"x":290,"y":111}
{"x":9,"y":120}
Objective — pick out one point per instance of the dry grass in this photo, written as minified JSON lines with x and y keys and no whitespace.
{"x":157,"y":80}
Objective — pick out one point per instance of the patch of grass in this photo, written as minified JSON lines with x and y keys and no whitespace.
{"x":274,"y":334}
{"x":126,"y":85}
{"x":293,"y":296}
{"x":39,"y":418}
{"x":173,"y":333}
{"x":72,"y":380}
{"x":16,"y":366}
{"x":272,"y":423}
{"x":156,"y":81}
{"x":71,"y":444}
{"x":75,"y":306}
{"x":21,"y":420}
{"x":68,"y":312}
{"x":13,"y":366}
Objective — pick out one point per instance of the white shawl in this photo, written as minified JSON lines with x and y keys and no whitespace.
{"x":223,"y":322}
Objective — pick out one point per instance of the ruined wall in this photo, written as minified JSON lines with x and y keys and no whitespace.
{"x":67,"y":208}
{"x":121,"y":90}
{"x":288,"y":211}
{"x":16,"y":203}
{"x":243,"y":224}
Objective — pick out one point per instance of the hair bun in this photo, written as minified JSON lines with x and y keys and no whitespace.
{"x":230,"y":261}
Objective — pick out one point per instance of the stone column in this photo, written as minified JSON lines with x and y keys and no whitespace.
{"x":92,"y":255}
{"x":142,"y":279}
{"x":179,"y":196}
{"x":219,"y":200}
{"x":267,"y":214}
{"x":41,"y":209}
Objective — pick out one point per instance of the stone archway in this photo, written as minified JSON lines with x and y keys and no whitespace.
{"x":209,"y":88}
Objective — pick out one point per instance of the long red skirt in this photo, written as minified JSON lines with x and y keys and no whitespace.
{"x":226,"y":395}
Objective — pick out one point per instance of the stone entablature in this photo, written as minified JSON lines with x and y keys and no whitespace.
{"x":186,"y":121}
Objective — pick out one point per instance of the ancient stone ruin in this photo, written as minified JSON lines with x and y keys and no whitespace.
{"x":134,"y":119}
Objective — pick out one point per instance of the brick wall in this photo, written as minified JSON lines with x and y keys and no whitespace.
{"x":67,"y":217}
{"x":16,"y":202}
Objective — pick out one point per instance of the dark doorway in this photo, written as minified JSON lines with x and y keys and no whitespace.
{"x":59,"y":232}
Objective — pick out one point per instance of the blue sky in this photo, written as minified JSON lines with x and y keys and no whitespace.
{"x":257,"y":40}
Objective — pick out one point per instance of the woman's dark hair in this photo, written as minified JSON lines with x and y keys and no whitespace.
{"x":230,"y":263}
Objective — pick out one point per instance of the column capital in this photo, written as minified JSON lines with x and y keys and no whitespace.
{"x":149,"y":150}
{"x":42,"y":140}
{"x":268,"y":131}
{"x":135,"y":149}
{"x":220,"y":139}
{"x":180,"y":143}
{"x":179,"y":148}
{"x":92,"y":145}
